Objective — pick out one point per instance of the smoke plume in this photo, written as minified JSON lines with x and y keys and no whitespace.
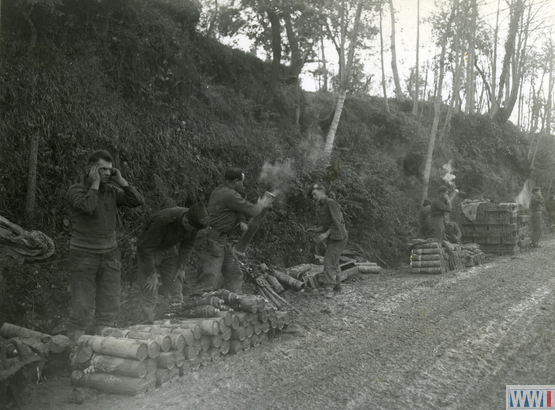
{"x":449,"y":177}
{"x":523,"y":198}
{"x":276,"y":177}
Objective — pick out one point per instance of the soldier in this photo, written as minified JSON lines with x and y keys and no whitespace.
{"x":536,"y":205}
{"x":424,"y":217}
{"x":157,"y":253}
{"x":94,"y":257}
{"x":453,"y":233}
{"x":217,"y":261}
{"x":441,"y":205}
{"x":333,"y":234}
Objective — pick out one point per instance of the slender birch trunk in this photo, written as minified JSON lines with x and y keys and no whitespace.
{"x":345,"y":73}
{"x":398,"y":89}
{"x":416,"y":71}
{"x":384,"y":88}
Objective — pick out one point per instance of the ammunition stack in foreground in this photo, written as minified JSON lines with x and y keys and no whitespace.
{"x":115,"y":365}
{"x":134,"y":360}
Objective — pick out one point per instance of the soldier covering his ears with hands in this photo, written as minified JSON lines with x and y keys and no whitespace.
{"x":94,"y":257}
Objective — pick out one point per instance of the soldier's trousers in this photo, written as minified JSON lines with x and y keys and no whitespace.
{"x":165,"y":261}
{"x":536,"y":227}
{"x":217,"y":264}
{"x":331,"y":262}
{"x":95,"y":284}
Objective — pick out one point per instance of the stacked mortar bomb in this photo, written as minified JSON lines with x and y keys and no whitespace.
{"x":306,"y":272}
{"x":115,"y":365}
{"x":121,"y":362}
{"x":429,"y":257}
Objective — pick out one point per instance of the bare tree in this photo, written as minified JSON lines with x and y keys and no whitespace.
{"x":470,"y":79}
{"x":548,"y":67}
{"x":437,"y":106}
{"x":396,"y":80}
{"x":345,"y":65}
{"x":458,"y":56}
{"x":494,"y":101}
{"x":513,"y":58}
{"x":384,"y":87}
{"x":417,"y":73}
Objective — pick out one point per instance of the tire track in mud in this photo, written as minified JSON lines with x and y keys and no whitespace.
{"x":392,"y":341}
{"x":502,"y":325}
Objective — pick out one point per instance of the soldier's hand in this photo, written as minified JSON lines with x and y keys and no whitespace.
{"x":94,"y":175}
{"x":243,"y":226}
{"x":151,"y":283}
{"x":117,"y":177}
{"x":265,"y":201}
{"x":180,"y":275}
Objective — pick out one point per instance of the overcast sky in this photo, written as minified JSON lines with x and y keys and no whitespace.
{"x":406,"y":23}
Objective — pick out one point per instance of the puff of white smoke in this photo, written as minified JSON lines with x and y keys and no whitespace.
{"x":523,"y":197}
{"x":277,"y":176}
{"x":448,"y":177}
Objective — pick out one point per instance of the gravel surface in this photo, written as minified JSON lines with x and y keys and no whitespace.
{"x":392,"y":340}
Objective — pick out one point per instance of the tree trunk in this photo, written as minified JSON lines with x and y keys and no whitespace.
{"x":335,"y":122}
{"x":417,"y":73}
{"x":324,"y":65}
{"x":549,"y":106}
{"x":345,"y":73}
{"x":275,"y":24}
{"x":211,"y":27}
{"x":456,"y":74}
{"x":503,"y":114}
{"x":30,"y":199}
{"x":384,"y":87}
{"x":494,"y":102}
{"x":455,"y":93}
{"x":398,"y":89}
{"x":470,"y":83}
{"x":437,"y":112}
{"x":297,"y":63}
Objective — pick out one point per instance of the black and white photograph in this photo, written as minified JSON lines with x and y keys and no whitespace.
{"x":277,"y":204}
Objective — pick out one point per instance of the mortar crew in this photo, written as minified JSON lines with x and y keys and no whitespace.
{"x":217,"y":263}
{"x":536,"y":205}
{"x":94,"y":257}
{"x":453,"y":233}
{"x":440,"y":206}
{"x":157,"y":253}
{"x":424,"y":216}
{"x":332,"y":233}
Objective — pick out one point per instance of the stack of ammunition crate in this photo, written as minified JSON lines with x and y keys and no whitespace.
{"x":429,"y":257}
{"x":496,"y":229}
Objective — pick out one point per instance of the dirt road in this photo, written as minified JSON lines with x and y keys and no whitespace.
{"x":390,"y":341}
